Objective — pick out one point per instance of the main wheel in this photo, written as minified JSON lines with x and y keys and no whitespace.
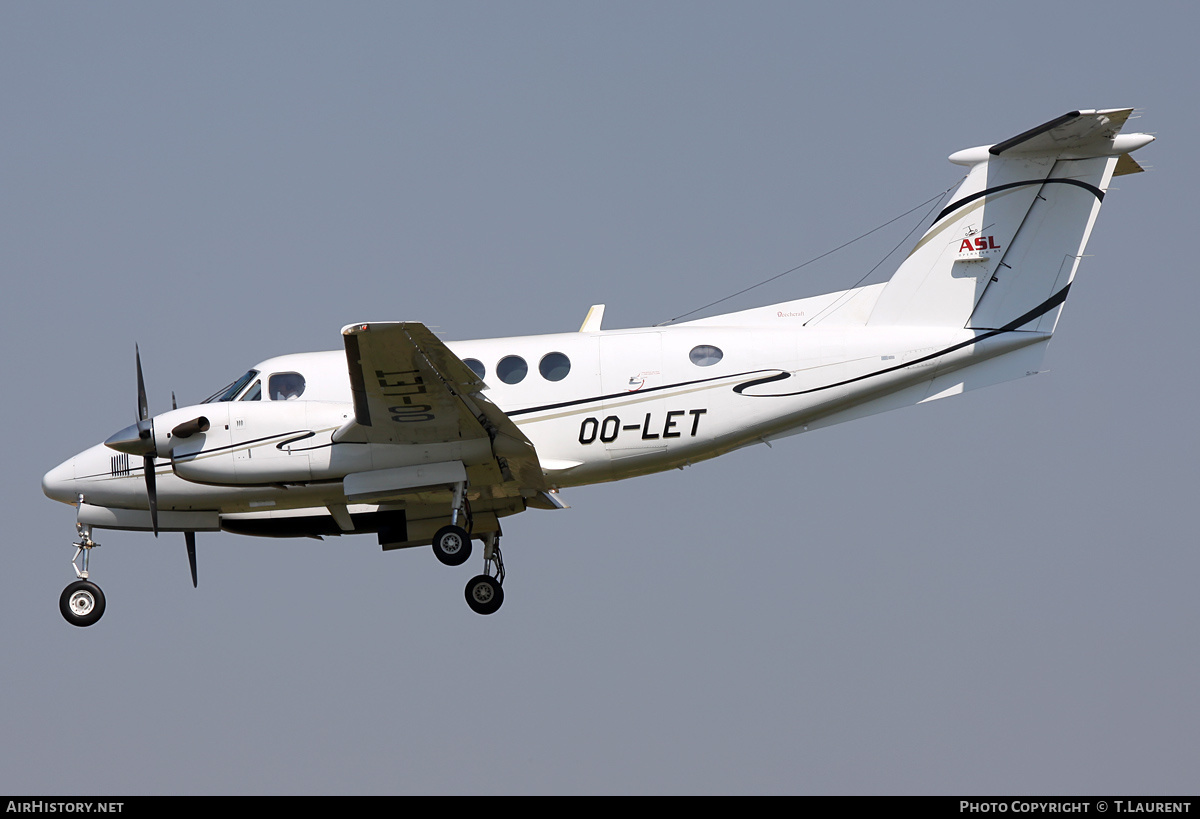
{"x":81,"y":603}
{"x":484,"y":594}
{"x":452,"y":545}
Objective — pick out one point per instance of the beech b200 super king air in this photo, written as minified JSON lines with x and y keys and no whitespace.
{"x":430,"y":443}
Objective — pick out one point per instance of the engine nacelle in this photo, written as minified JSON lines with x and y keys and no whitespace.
{"x":250,"y":443}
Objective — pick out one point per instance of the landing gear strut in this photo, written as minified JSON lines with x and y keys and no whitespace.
{"x":452,"y":546}
{"x":485,"y":592}
{"x":82,"y":602}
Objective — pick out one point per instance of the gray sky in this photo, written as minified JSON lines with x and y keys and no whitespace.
{"x":989,"y":594}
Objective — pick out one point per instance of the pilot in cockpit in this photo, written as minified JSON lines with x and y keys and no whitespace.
{"x":286,"y":386}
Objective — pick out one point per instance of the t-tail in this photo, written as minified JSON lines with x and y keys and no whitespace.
{"x":1003,"y":252}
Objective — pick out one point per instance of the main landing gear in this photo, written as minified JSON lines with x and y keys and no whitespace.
{"x":452,"y":546}
{"x":485,"y":592}
{"x":82,"y":602}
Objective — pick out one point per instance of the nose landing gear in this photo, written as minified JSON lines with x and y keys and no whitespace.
{"x":82,"y":602}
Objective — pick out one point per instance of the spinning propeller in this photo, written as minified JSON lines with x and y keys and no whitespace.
{"x":139,"y":439}
{"x":145,"y":427}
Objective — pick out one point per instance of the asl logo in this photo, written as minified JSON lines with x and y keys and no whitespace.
{"x":977,"y":244}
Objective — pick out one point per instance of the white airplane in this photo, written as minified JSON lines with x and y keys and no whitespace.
{"x":425,"y":443}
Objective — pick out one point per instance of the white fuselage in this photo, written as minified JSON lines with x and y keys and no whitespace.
{"x":428,"y":443}
{"x":632,"y":402}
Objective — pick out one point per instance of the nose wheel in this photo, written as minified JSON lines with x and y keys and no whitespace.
{"x":81,"y":603}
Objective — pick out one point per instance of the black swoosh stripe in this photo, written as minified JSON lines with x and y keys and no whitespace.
{"x":953,"y":206}
{"x":1043,"y":308}
{"x":206,"y":452}
{"x":1037,"y":312}
{"x":779,"y":376}
{"x":578,"y":401}
{"x":305,"y":436}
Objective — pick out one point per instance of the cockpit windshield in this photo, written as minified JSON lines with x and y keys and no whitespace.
{"x":230,"y":392}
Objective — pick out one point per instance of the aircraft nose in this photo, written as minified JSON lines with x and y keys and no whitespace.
{"x":59,"y":482}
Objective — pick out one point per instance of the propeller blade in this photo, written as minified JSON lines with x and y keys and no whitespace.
{"x":145,"y":424}
{"x":174,"y":406}
{"x":151,"y":491}
{"x":145,"y":428}
{"x":190,"y":538}
{"x":143,"y":406}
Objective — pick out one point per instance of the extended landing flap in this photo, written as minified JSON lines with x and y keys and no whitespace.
{"x":380,"y":484}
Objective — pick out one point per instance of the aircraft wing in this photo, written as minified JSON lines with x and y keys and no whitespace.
{"x":410,"y":389}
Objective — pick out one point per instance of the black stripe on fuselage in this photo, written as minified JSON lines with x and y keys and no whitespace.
{"x":1037,"y":312}
{"x":206,"y":452}
{"x":579,"y":401}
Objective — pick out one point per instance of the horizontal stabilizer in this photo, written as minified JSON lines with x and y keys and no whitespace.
{"x":1074,"y":135}
{"x":1076,"y":131}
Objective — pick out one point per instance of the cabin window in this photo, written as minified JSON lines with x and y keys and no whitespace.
{"x":230,"y":391}
{"x":254,"y":393}
{"x":705,"y":355}
{"x":476,"y":366}
{"x":286,"y":386}
{"x":554,"y":366}
{"x":512,"y":369}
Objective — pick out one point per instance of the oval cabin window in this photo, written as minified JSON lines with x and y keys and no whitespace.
{"x":554,"y":366}
{"x":512,"y":369}
{"x":705,"y":355}
{"x":476,"y":366}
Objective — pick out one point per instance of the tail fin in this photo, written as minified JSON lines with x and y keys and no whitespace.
{"x":1011,"y":238}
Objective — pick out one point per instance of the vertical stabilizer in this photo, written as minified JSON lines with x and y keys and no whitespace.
{"x":1011,"y":237}
{"x":1045,"y":253}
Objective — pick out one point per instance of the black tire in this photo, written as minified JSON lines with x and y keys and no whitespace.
{"x":452,"y":545}
{"x":484,"y":594}
{"x":81,"y":603}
